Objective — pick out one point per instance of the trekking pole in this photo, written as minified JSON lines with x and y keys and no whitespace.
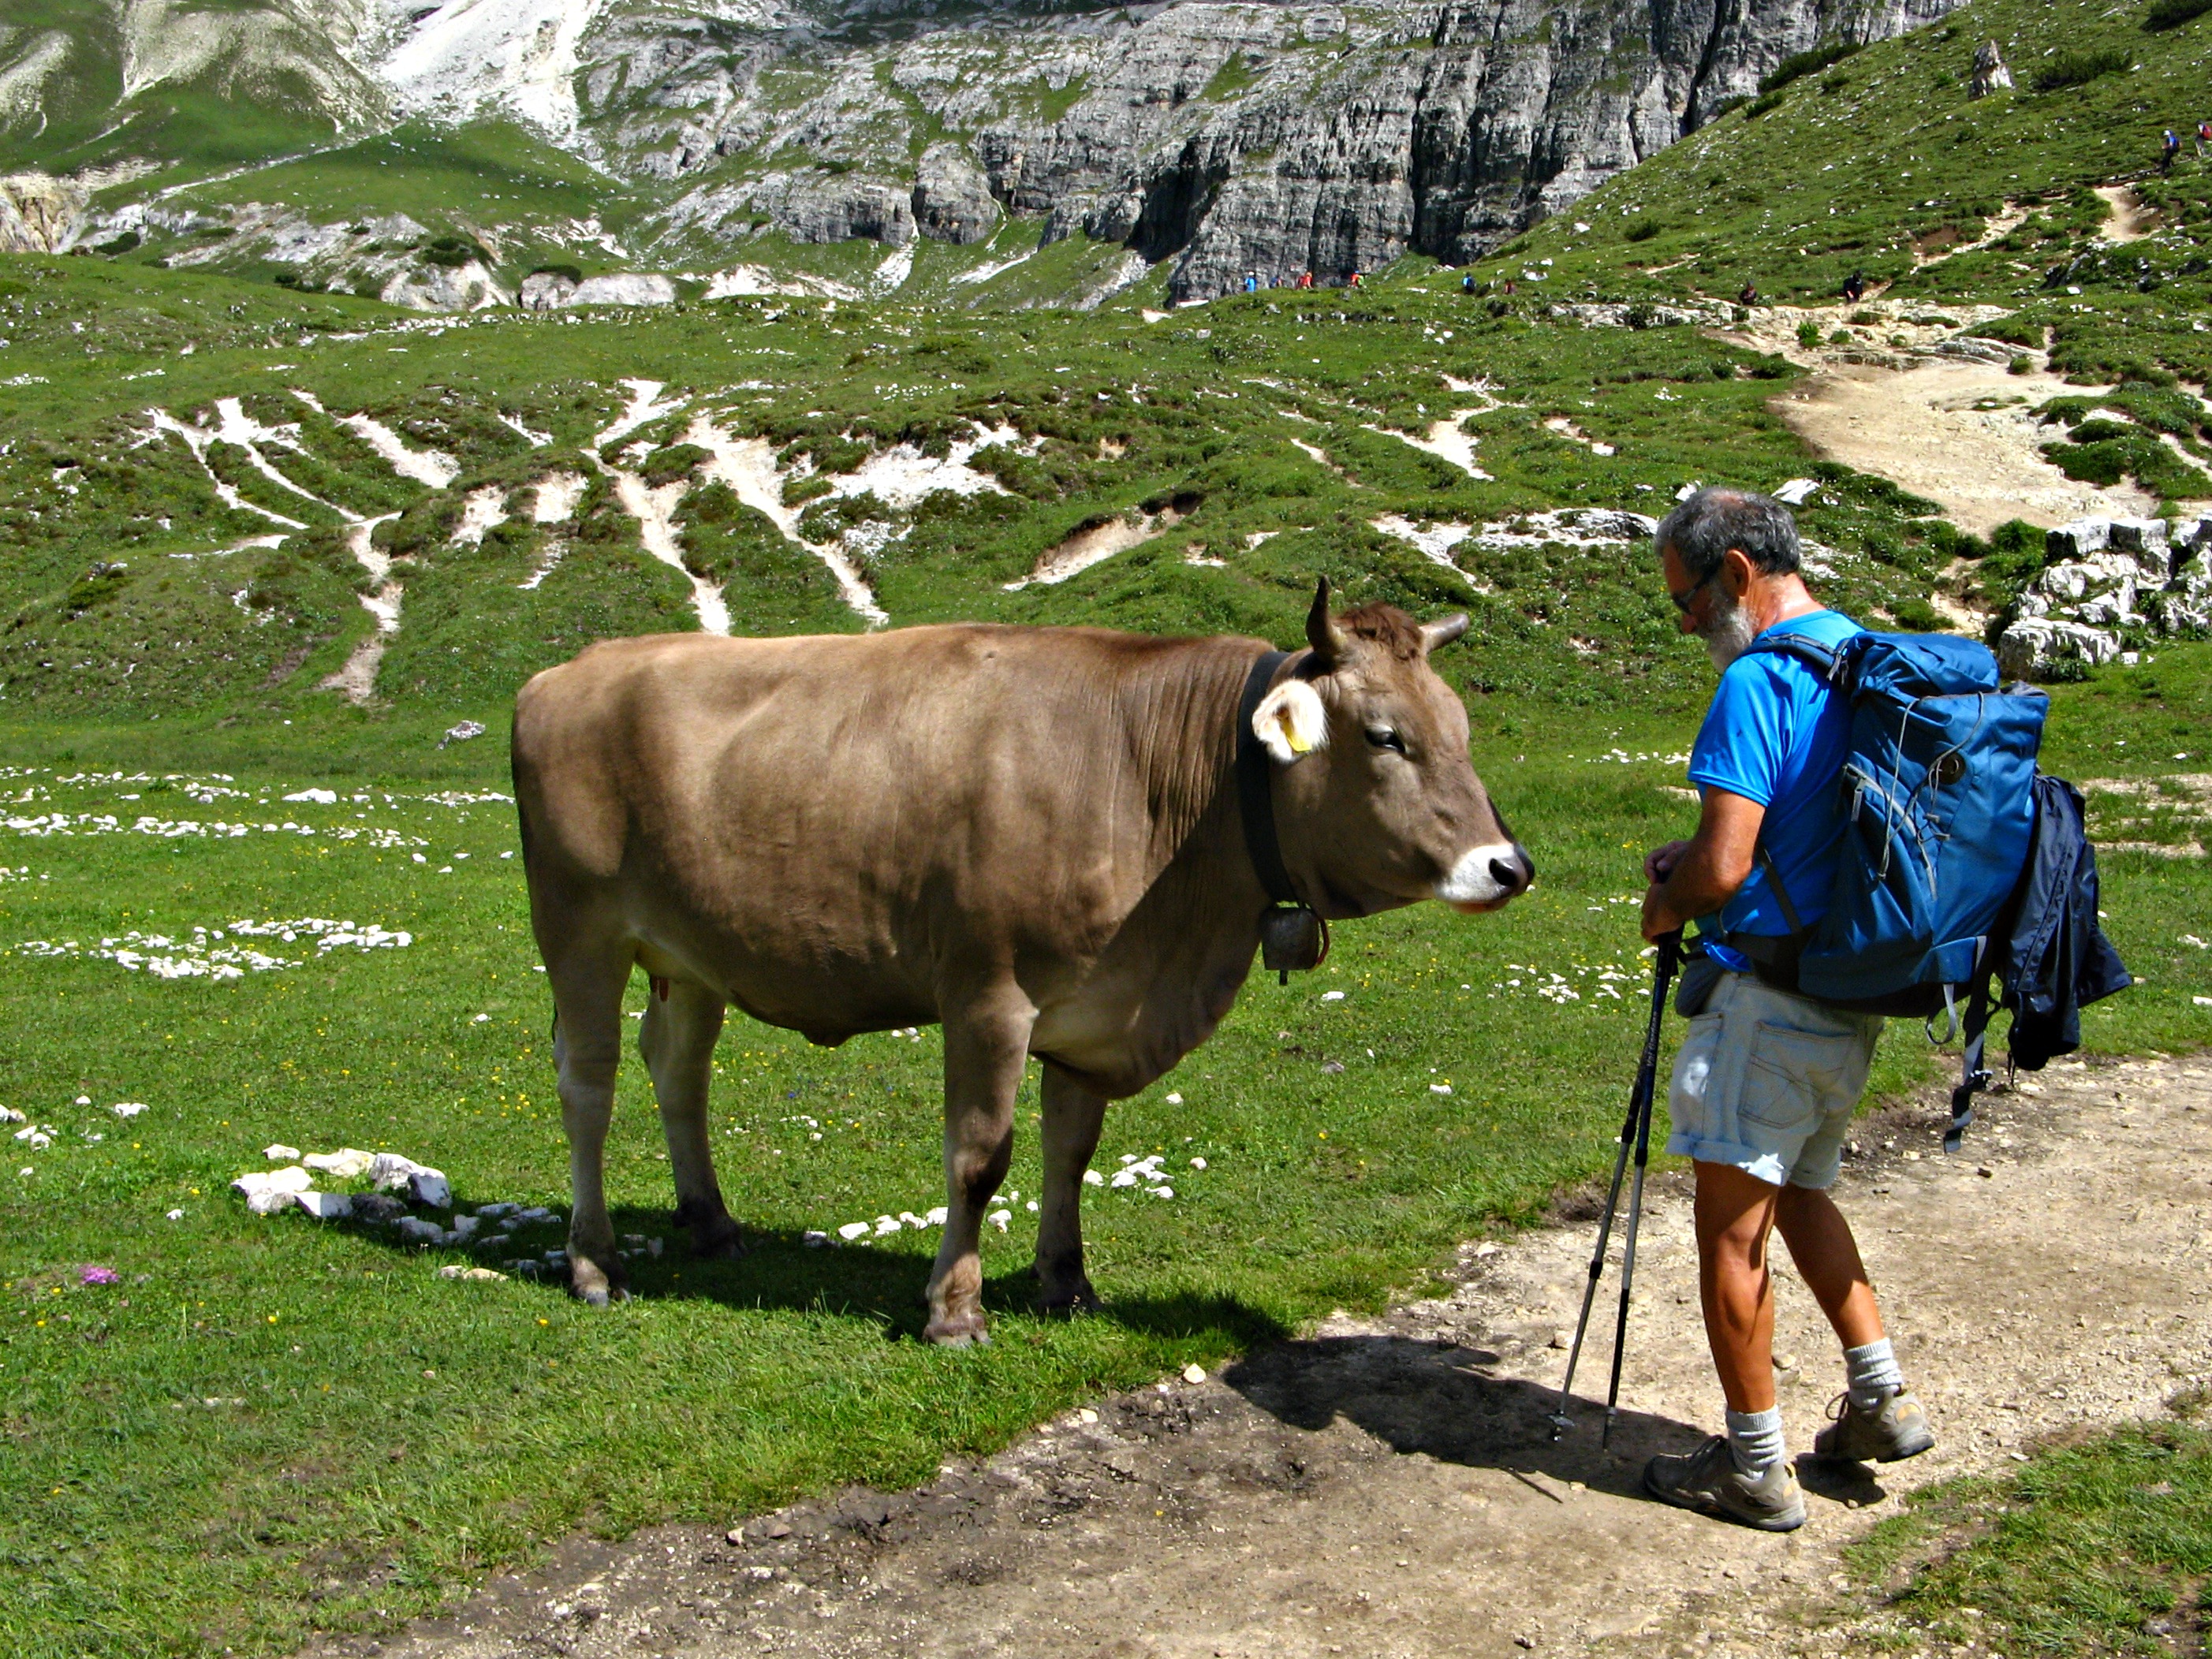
{"x":1638,"y":1113}
{"x":1647,"y":1081}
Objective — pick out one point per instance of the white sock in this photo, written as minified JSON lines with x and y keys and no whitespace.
{"x":1873,"y":1373}
{"x":1755,"y":1438}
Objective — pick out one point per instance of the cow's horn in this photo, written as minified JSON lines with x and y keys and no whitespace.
{"x":1437,"y":634}
{"x":1322,"y":632}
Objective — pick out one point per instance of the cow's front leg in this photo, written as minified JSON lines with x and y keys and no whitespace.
{"x":682,"y":1021}
{"x":586,"y":1048}
{"x":986,"y":1045}
{"x":1073,"y":1117}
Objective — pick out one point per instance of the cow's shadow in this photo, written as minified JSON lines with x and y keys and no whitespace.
{"x":886,"y":1284}
{"x":1441,"y":1400}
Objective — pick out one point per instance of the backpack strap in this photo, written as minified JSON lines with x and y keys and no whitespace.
{"x":1972,"y":1074}
{"x":1823,"y":659}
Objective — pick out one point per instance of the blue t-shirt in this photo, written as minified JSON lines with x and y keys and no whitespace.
{"x":1778,"y":735}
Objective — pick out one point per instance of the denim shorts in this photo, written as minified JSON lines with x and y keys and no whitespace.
{"x":1766,"y":1082}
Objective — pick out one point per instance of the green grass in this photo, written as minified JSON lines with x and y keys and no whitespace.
{"x":2097,"y":1547}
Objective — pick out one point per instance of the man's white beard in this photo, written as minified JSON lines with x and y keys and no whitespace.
{"x":1730,"y":633}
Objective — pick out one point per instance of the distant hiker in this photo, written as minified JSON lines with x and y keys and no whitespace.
{"x":2168,"y":148}
{"x":1508,"y":288}
{"x":1766,"y":1081}
{"x":1749,"y":297}
{"x":1305,"y":279}
{"x":2203,"y":138}
{"x":1355,"y":279}
{"x":1467,"y":283}
{"x":1853,"y":288}
{"x":1251,"y":282}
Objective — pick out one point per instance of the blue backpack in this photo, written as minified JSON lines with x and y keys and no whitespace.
{"x":1940,"y":818}
{"x":1939,"y":811}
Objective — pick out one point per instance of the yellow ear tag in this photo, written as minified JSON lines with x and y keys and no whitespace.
{"x":1295,"y":738}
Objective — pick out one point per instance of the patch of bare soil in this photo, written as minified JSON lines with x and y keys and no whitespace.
{"x":1390,"y":1487}
{"x":1959,"y":433}
{"x":2127,"y":218}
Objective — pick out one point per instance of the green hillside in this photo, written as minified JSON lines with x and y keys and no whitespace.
{"x":1881,"y":163}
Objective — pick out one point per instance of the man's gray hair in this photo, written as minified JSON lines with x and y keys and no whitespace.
{"x":1703,"y":529}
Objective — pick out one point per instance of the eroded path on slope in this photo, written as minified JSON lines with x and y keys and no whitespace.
{"x":1390,"y":1487}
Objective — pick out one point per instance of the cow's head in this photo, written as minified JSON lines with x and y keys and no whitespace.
{"x":1376,"y":804}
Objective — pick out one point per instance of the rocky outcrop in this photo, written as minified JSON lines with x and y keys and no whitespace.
{"x":445,"y":288}
{"x":2108,"y":578}
{"x":952,"y":199}
{"x":1991,"y":74}
{"x":39,"y":214}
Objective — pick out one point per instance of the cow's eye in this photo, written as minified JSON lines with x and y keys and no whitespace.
{"x":1383,"y":738}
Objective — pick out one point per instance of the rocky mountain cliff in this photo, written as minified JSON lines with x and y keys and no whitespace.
{"x":1226,"y":137}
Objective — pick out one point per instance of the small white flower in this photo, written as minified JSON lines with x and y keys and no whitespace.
{"x":1332,"y":996}
{"x":1175,"y":1100}
{"x":1440,"y":1088}
{"x":128,"y":1107}
{"x":481,"y":1020}
{"x":176,"y":1215}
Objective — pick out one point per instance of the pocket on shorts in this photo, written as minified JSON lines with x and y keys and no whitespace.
{"x":1790,"y":1074}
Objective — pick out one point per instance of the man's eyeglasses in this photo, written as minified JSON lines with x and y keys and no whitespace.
{"x":1688,"y":596}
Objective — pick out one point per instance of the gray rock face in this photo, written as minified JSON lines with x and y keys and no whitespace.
{"x":952,"y":199}
{"x":1233,"y":137}
{"x":1229,"y":136}
{"x":39,"y":215}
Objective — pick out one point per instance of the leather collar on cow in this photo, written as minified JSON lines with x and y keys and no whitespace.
{"x":1292,"y":933}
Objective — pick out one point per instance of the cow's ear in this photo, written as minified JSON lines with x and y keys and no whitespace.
{"x":1291,"y":721}
{"x":1321,"y":631}
{"x":1437,"y":634}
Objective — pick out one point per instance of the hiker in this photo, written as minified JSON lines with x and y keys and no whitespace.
{"x":1355,"y":280}
{"x":1766,"y":1081}
{"x":2203,"y":138}
{"x":1305,"y":279}
{"x":1467,"y":283}
{"x":2169,"y":146}
{"x":1749,"y":297}
{"x":1853,"y":288}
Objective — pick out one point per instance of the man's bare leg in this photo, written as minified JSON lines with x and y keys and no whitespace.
{"x":1827,"y":1257}
{"x":1735,"y":1214}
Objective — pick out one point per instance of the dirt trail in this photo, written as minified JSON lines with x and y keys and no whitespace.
{"x":2127,"y":218}
{"x":1390,"y":1487}
{"x":1959,"y":433}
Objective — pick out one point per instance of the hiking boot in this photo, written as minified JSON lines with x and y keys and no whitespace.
{"x":1708,"y":1481}
{"x":1895,"y":1429}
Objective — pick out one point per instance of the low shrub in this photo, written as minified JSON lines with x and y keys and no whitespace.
{"x":2078,"y":69}
{"x":2173,"y":14}
{"x":1644,"y":230}
{"x":1803,"y":63}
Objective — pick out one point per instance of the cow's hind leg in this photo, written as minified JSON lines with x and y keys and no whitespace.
{"x":587,"y":993}
{"x":1073,"y":1117}
{"x":682,"y":1021}
{"x":985,"y":1046}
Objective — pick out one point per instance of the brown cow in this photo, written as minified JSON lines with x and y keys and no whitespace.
{"x":1032,"y":835}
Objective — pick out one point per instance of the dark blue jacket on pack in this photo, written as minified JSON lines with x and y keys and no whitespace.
{"x":2057,"y":960}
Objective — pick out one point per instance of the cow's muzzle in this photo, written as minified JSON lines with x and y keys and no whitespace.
{"x":1487,"y":877}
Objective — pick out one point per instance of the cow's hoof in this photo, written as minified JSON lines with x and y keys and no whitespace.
{"x":968,"y":1330}
{"x":1068,"y":1300}
{"x":593,"y":1286}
